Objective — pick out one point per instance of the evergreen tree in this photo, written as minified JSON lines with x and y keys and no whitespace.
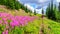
{"x":50,"y":11}
{"x":59,"y":7}
{"x":42,"y":11}
{"x":26,"y":9}
{"x":34,"y":12}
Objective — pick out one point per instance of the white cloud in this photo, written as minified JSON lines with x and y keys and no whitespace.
{"x":36,"y":2}
{"x":58,"y":0}
{"x":42,"y":1}
{"x":39,"y":11}
{"x":29,"y":7}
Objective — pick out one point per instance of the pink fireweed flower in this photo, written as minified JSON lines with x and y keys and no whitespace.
{"x":0,"y":21}
{"x":15,"y":20}
{"x":3,"y":32}
{"x":4,"y":14}
{"x":12,"y":24}
{"x":21,"y":23}
{"x":4,"y":19}
{"x":5,"y":22}
{"x":16,"y":23}
{"x":6,"y":31}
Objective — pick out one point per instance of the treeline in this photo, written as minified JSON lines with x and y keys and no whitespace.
{"x":52,"y":12}
{"x":14,"y":4}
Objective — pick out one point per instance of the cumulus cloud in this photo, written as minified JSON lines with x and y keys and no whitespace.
{"x":42,"y":1}
{"x":40,"y":6}
{"x":34,"y":1}
{"x":39,"y":11}
{"x":29,"y":7}
{"x":39,"y":3}
{"x":58,"y":0}
{"x":36,"y":4}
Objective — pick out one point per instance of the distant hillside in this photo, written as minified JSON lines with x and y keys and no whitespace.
{"x":14,"y":12}
{"x":14,"y":4}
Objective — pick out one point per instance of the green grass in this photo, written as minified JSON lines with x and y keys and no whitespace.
{"x":50,"y":27}
{"x":53,"y":26}
{"x":1,"y":10}
{"x":33,"y":27}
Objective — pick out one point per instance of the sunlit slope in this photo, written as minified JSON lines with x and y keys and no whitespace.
{"x":14,"y":12}
{"x":51,"y":27}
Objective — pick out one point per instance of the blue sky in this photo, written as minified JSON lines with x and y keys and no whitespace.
{"x":37,"y":4}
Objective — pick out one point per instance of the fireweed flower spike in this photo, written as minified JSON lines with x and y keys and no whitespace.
{"x":14,"y":20}
{"x":3,"y":32}
{"x":6,"y":32}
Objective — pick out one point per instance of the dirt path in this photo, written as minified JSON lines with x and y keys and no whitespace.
{"x":44,"y":27}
